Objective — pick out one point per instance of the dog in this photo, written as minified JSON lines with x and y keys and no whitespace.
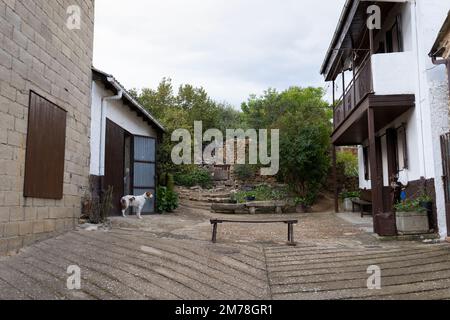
{"x":137,"y":202}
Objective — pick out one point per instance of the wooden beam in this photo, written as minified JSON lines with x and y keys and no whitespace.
{"x":377,"y":192}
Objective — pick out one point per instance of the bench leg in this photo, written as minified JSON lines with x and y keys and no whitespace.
{"x":214,"y":235}
{"x":291,"y":241}
{"x":252,"y":210}
{"x":279,"y":210}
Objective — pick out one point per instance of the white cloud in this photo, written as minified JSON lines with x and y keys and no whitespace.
{"x":231,"y":47}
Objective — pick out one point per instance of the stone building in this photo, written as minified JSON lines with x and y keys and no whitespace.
{"x":45,"y":96}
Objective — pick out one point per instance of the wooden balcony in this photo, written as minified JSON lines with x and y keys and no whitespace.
{"x":356,"y":91}
{"x":376,"y":84}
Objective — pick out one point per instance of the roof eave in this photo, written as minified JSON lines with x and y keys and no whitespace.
{"x":129,"y":98}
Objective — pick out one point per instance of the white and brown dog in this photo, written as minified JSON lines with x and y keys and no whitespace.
{"x":137,"y":202}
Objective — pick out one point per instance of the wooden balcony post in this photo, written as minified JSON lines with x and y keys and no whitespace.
{"x":377,"y":190}
{"x":343,"y":93}
{"x":335,"y":181}
{"x":354,"y":79}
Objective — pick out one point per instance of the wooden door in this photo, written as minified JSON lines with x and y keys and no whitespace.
{"x":114,"y":164}
{"x":445,"y":149}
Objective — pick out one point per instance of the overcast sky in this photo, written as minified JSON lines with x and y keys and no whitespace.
{"x":230,"y":47}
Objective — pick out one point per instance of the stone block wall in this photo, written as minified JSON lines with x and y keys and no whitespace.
{"x":39,"y":52}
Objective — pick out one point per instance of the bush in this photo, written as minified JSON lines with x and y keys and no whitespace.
{"x":245,"y":171}
{"x":170,"y":182}
{"x":166,"y":200}
{"x":350,"y":194}
{"x":261,"y":193}
{"x":194,"y":176}
{"x":349,"y":162}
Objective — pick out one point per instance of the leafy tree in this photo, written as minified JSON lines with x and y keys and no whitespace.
{"x":349,"y":162}
{"x":304,"y":121}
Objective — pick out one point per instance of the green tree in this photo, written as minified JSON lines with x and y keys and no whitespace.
{"x":304,"y":121}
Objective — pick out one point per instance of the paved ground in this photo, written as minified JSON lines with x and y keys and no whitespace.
{"x":170,"y":257}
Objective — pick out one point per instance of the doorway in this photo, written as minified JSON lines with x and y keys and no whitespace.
{"x":130,"y":166}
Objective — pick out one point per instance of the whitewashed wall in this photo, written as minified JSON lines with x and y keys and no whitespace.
{"x":120,"y":114}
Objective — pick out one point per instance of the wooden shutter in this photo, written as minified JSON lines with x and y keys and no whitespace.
{"x":45,"y":153}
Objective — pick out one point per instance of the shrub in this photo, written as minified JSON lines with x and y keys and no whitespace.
{"x":350,"y":194}
{"x":167,"y":200}
{"x":170,"y":182}
{"x":349,"y":162}
{"x":245,"y":171}
{"x":194,"y":176}
{"x":261,"y":193}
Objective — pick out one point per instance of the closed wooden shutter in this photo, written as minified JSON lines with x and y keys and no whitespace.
{"x":45,"y":153}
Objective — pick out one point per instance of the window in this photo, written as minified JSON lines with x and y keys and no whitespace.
{"x":366,"y":163}
{"x":45,"y":153}
{"x":144,"y":169}
{"x":394,"y":41}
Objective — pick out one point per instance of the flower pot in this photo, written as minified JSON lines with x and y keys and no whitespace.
{"x":301,"y":208}
{"x":347,"y":205}
{"x":412,"y":222}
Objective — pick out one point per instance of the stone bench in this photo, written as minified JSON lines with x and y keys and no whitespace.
{"x":278,"y":205}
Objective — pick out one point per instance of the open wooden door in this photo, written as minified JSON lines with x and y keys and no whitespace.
{"x":114,"y":164}
{"x":445,"y":149}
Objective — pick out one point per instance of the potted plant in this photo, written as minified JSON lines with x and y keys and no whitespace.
{"x":301,"y":205}
{"x":411,"y":217}
{"x":347,"y":197}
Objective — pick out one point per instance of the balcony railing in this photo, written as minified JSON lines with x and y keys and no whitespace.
{"x":359,"y":87}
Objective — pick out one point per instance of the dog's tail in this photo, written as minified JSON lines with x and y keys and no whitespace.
{"x":123,"y":202}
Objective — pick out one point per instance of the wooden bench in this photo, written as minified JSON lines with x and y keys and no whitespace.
{"x":362,"y":206}
{"x":278,"y":205}
{"x":290,"y":224}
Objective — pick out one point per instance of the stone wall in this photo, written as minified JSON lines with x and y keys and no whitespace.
{"x":39,"y":52}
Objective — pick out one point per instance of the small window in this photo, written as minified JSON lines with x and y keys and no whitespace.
{"x":45,"y":153}
{"x":366,"y":163}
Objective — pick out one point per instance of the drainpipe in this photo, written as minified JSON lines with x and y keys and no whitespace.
{"x":446,"y":62}
{"x":101,"y":167}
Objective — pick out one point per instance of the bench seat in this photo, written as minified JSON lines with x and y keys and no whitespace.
{"x":289,"y":222}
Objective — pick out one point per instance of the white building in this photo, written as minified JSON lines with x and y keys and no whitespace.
{"x":124,"y":139}
{"x":395,"y":102}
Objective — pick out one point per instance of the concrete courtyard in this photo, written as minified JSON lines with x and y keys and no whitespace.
{"x":171,"y":257}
